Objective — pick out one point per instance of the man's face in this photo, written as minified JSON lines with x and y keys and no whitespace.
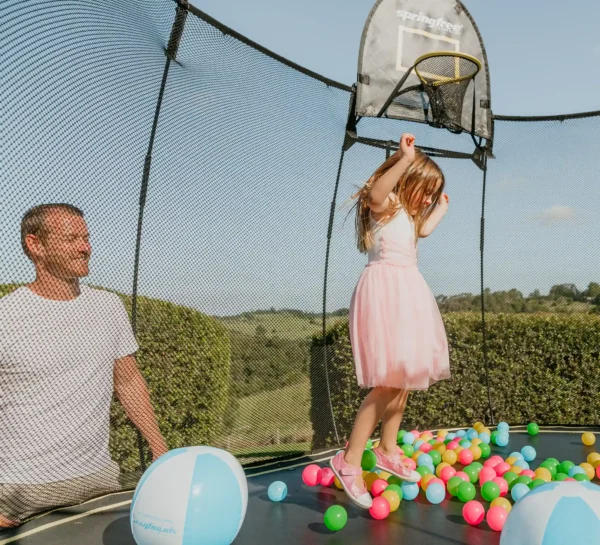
{"x":65,"y":248}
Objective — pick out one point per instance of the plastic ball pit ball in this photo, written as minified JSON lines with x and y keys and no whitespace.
{"x":503,"y":426}
{"x":368,"y":460}
{"x":447,"y":473}
{"x":490,"y":491}
{"x":393,"y":498}
{"x":277,"y":491}
{"x":453,"y":484}
{"x":335,"y":518}
{"x":378,"y":487}
{"x":435,"y":493}
{"x":408,"y":438}
{"x":518,"y":491}
{"x":450,"y":457}
{"x":486,"y":474}
{"x":465,"y":457}
{"x":533,"y":428}
{"x":409,"y":490}
{"x":327,"y":476}
{"x":380,"y":508}
{"x":466,"y":492}
{"x":473,"y":512}
{"x":588,"y":439}
{"x":311,"y":475}
{"x":502,"y":485}
{"x":528,"y":453}
{"x":496,"y":518}
{"x":502,"y":502}
{"x":502,"y":439}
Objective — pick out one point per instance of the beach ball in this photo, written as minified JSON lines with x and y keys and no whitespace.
{"x":555,"y":513}
{"x":190,"y":495}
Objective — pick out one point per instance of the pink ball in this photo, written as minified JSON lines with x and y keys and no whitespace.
{"x":410,"y":463}
{"x":491,"y":462}
{"x":502,"y":468}
{"x":487,"y":474}
{"x":436,"y":480}
{"x":570,"y":479}
{"x":473,"y":512}
{"x":598,"y":472}
{"x":465,"y":457}
{"x":463,"y":476}
{"x":496,"y":517}
{"x":378,"y":487}
{"x":425,"y":447}
{"x":528,"y":473}
{"x":452,"y":445}
{"x":380,"y":508}
{"x":416,"y":433}
{"x":502,"y":485}
{"x":439,"y":439}
{"x":497,"y":458}
{"x":327,"y":476}
{"x":447,"y":473}
{"x":311,"y":476}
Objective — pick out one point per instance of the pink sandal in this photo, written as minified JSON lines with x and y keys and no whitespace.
{"x":345,"y":474}
{"x":395,"y":466}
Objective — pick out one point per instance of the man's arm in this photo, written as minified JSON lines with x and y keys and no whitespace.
{"x":132,"y":391}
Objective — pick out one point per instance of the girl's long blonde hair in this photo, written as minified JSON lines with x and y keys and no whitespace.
{"x":419,"y":179}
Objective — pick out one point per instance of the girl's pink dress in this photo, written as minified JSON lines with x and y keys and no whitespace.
{"x":396,"y":330}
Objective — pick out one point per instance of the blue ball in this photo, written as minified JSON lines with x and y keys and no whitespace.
{"x":461,"y":433}
{"x":435,"y":493}
{"x":451,"y":436}
{"x":191,"y":494}
{"x":408,"y":438}
{"x":555,"y":513}
{"x":418,"y":443}
{"x":502,"y":439}
{"x":518,"y":491}
{"x":485,"y":438}
{"x":472,"y":433}
{"x":575,"y":470}
{"x":465,"y":443}
{"x":424,"y":460}
{"x":517,"y":455}
{"x":522,"y":463}
{"x":528,"y":453}
{"x":409,"y":490}
{"x":277,"y":491}
{"x":503,"y":426}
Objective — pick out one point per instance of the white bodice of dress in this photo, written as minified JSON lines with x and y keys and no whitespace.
{"x":394,"y":242}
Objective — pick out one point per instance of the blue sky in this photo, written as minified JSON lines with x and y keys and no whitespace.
{"x":246,"y":151}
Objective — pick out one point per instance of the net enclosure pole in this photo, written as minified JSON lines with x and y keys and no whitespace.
{"x":171,"y":55}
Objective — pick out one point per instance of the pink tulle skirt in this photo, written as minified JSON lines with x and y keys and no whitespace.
{"x":396,"y":330}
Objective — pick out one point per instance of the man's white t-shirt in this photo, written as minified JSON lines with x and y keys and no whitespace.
{"x":56,"y":383}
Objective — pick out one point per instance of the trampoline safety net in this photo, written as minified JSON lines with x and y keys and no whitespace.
{"x":222,"y":248}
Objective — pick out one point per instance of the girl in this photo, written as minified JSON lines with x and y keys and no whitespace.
{"x":396,"y":330}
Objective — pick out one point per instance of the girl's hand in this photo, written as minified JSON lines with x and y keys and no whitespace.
{"x":443,"y":202}
{"x":407,"y":146}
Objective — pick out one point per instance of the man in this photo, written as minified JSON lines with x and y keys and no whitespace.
{"x":64,"y":347}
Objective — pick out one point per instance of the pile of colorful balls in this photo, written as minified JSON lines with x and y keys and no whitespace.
{"x":498,"y":480}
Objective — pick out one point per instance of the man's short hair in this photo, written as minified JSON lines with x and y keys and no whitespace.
{"x":34,"y":220}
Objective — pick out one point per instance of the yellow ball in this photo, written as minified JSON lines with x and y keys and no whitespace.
{"x":516,"y":469}
{"x":476,"y":452}
{"x":441,"y":448}
{"x":370,"y":479}
{"x":426,"y":436}
{"x":476,"y":441}
{"x":511,"y":460}
{"x":486,"y":430}
{"x":502,"y":502}
{"x":425,"y":480}
{"x":385,"y":475}
{"x":594,"y":459}
{"x":543,"y":473}
{"x":393,"y":499}
{"x":442,"y":434}
{"x":438,"y":469}
{"x":458,"y":449}
{"x":588,"y":439}
{"x":416,"y":455}
{"x":589,"y":470}
{"x":478,"y":425}
{"x":376,"y":444}
{"x":450,"y":457}
{"x":337,"y":483}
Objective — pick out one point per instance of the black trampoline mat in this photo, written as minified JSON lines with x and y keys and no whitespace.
{"x":299,"y":518}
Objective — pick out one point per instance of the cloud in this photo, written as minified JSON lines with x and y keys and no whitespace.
{"x":556,"y":214}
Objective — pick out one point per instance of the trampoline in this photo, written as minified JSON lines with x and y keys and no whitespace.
{"x":299,"y":518}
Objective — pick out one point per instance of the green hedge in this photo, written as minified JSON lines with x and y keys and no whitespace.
{"x":542,"y":367}
{"x":185,"y":358}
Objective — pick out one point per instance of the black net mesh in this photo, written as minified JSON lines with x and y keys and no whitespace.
{"x":232,"y":230}
{"x":445,"y":79}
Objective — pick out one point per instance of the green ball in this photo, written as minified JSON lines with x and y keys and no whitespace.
{"x":396,"y":488}
{"x":466,"y":492}
{"x":553,"y":460}
{"x":485,"y":450}
{"x":533,"y":428}
{"x":477,"y":466}
{"x":510,"y":477}
{"x":335,"y":518}
{"x":369,"y":444}
{"x":432,"y":442}
{"x":436,"y":457}
{"x":408,"y":450}
{"x":472,"y":473}
{"x":581,"y":477}
{"x":369,"y":460}
{"x":550,"y":467}
{"x":561,"y":477}
{"x":401,"y":435}
{"x":525,"y":479}
{"x":490,"y":491}
{"x":446,"y":441}
{"x":424,"y":470}
{"x":536,"y":482}
{"x":453,"y":485}
{"x":493,"y":437}
{"x":393,"y":480}
{"x":565,"y":466}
